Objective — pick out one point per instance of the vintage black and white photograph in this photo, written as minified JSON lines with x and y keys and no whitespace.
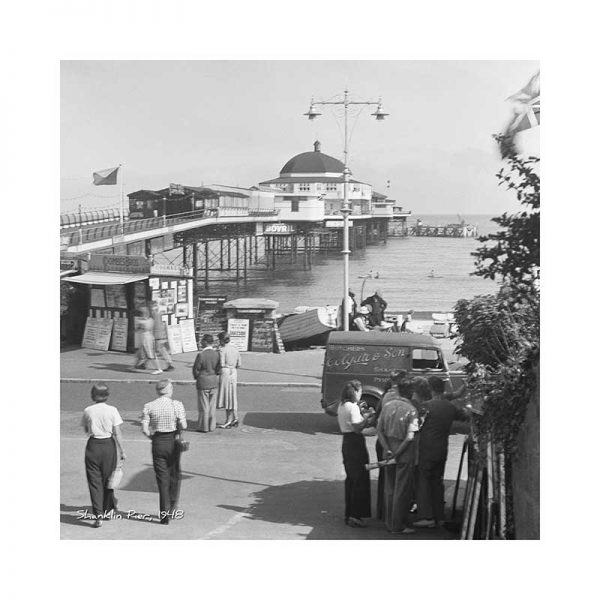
{"x":299,"y":300}
{"x":294,"y":349}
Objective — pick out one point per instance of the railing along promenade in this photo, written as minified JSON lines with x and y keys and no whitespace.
{"x":87,"y":234}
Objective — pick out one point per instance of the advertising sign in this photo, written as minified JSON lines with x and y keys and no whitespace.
{"x":119,"y":334}
{"x":263,"y":332}
{"x":188,"y":335}
{"x":174,"y":339}
{"x":211,"y":315}
{"x":239,"y":330}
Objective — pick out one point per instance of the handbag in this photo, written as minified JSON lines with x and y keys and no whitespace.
{"x":115,"y":477}
{"x":181,"y":443}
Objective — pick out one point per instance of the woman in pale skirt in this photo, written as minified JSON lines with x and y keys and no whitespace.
{"x":227,"y":397}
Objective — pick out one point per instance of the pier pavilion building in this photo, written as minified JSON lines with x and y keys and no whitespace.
{"x":310,"y":187}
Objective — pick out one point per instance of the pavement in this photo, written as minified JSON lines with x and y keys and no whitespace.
{"x":302,"y":368}
{"x":279,"y":475}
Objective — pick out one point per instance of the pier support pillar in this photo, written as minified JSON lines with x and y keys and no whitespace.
{"x":195,"y":261}
{"x":206,"y":266}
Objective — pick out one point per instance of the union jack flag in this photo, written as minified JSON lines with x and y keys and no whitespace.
{"x":526,"y":113}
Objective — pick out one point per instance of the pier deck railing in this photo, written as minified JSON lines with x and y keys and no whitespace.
{"x":111,"y":230}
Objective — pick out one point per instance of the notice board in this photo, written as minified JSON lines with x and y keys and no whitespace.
{"x":210,"y":315}
{"x":97,"y":333}
{"x":263,"y":332}
{"x":90,"y":335}
{"x":174,"y":338}
{"x":188,"y":335}
{"x":239,"y":330}
{"x":119,"y":334}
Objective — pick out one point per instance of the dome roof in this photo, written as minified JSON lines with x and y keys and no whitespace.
{"x":313,"y":162}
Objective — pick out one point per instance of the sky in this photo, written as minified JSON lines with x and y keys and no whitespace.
{"x":238,"y":122}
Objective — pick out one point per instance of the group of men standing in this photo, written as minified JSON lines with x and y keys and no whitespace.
{"x":413,"y":427}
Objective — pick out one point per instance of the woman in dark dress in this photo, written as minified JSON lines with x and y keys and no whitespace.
{"x":355,"y":455}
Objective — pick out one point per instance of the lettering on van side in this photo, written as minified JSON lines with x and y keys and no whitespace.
{"x":348,"y":359}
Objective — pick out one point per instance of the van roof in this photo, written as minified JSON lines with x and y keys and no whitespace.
{"x":377,"y":338}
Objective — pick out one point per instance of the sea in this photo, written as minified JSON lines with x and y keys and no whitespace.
{"x":400,"y":269}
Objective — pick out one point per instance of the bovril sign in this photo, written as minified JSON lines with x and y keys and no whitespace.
{"x":279,"y":229}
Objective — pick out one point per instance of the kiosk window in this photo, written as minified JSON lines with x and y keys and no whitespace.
{"x":424,"y":358}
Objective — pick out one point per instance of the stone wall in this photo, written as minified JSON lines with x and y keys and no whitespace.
{"x":526,"y":473}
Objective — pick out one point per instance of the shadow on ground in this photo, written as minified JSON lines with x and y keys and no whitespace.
{"x":318,"y":377}
{"x":310,"y":423}
{"x":319,"y":505}
{"x":121,"y":368}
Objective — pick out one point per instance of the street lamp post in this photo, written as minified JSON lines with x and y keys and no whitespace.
{"x":346,"y":210}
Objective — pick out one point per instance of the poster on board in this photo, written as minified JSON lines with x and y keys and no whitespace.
{"x":211,"y":317}
{"x":97,"y":333}
{"x":239,"y":330}
{"x":115,"y":296}
{"x":174,"y":338}
{"x":188,"y":335}
{"x":105,"y":327}
{"x":90,"y":334}
{"x":119,"y":334}
{"x":263,"y":335}
{"x":97,"y":297}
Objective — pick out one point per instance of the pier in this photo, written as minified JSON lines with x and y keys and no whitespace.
{"x":460,"y":230}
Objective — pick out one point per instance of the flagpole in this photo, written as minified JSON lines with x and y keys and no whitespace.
{"x":122,"y":206}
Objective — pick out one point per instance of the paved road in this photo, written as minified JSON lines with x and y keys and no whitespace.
{"x":278,"y":476}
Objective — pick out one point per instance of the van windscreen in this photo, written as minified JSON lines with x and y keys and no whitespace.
{"x":365,"y":360}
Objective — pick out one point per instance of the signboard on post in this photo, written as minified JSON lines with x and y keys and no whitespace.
{"x":239,"y":330}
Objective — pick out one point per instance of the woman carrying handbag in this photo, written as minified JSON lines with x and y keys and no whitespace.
{"x":101,"y":422}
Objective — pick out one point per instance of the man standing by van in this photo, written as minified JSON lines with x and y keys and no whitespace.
{"x":396,"y":428}
{"x":433,"y":452}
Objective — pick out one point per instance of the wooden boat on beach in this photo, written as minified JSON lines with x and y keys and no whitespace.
{"x":308,"y":325}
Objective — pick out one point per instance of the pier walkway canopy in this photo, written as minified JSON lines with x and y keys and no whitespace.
{"x":105,"y":278}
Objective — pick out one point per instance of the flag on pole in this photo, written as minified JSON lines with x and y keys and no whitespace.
{"x":526,"y":113}
{"x":106,"y":177}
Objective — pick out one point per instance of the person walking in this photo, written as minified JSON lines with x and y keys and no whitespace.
{"x":161,"y":419}
{"x":206,"y":373}
{"x":231,"y":361}
{"x":161,"y":342}
{"x":396,"y":428}
{"x":357,"y":486}
{"x":433,"y":452}
{"x":101,"y":422}
{"x":144,"y":327}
